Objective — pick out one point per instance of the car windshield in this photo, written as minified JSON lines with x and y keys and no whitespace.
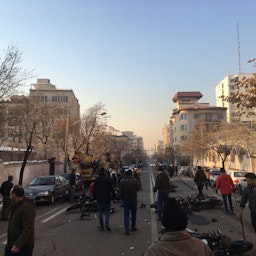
{"x":42,"y":181}
{"x":239,"y":174}
{"x":215,"y":172}
{"x":66,"y":176}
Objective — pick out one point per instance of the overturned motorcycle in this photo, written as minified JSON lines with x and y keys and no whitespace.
{"x":222,"y":245}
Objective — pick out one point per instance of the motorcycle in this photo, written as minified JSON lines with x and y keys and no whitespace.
{"x":222,"y":245}
{"x":207,"y":202}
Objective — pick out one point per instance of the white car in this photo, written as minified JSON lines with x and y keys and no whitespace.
{"x":214,"y":173}
{"x":238,"y":178}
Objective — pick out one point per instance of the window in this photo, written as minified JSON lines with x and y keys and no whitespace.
{"x":183,"y":138}
{"x":183,"y":127}
{"x":208,"y":117}
{"x":220,"y":116}
{"x":196,"y":116}
{"x":183,"y":116}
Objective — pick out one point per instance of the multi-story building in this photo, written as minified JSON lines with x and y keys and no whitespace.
{"x":64,"y":101}
{"x":166,"y":136}
{"x":188,"y":112}
{"x":224,"y":88}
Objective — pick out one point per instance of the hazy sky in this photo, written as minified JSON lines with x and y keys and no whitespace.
{"x":131,"y":55}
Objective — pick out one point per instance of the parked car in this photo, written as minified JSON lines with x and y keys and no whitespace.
{"x":241,"y":186}
{"x":238,"y":178}
{"x":47,"y":188}
{"x":79,"y":180}
{"x":214,"y":173}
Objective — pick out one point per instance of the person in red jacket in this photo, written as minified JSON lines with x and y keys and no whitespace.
{"x":225,"y":183}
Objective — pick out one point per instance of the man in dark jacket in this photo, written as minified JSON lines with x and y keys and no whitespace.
{"x":20,"y":234}
{"x":5,"y":191}
{"x":103,"y":192}
{"x":72,"y":186}
{"x":163,"y":186}
{"x":200,"y":180}
{"x":128,"y":194}
{"x":249,"y":194}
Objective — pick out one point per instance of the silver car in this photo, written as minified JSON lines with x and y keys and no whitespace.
{"x":47,"y":188}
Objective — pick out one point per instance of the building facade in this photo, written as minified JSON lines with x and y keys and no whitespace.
{"x":189,"y":112}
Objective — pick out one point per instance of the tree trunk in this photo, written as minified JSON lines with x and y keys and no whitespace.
{"x":25,"y":159}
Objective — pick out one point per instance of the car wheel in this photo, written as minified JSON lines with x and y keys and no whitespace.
{"x":52,"y":198}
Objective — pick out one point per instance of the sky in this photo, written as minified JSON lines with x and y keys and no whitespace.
{"x":131,"y":55}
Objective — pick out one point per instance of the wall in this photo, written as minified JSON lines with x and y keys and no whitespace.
{"x":32,"y":169}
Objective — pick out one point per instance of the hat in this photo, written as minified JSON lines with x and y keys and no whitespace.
{"x":174,"y":216}
{"x":222,"y":170}
{"x":160,"y":168}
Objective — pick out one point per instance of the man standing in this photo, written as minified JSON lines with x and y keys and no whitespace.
{"x":200,"y":180}
{"x":128,"y":194}
{"x":5,"y":191}
{"x":163,"y":186}
{"x":226,"y":186}
{"x":103,"y":192}
{"x":249,"y":194}
{"x":20,"y":233}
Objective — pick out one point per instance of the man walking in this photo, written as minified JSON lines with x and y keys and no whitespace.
{"x":103,"y":192}
{"x":163,"y":186}
{"x":200,"y":180}
{"x":20,"y":234}
{"x":5,"y":191}
{"x":128,"y":194}
{"x":72,"y":186}
{"x":249,"y":194}
{"x":225,"y":183}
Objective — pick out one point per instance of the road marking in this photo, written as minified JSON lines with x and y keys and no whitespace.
{"x":154,"y":234}
{"x":54,"y":215}
{"x":47,"y":213}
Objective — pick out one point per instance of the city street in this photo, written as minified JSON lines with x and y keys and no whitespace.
{"x":63,"y":233}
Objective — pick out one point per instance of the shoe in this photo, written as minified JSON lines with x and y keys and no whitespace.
{"x":231,"y":212}
{"x":101,"y":229}
{"x":107,"y":227}
{"x":134,"y":229}
{"x":226,"y":212}
{"x":127,"y":233}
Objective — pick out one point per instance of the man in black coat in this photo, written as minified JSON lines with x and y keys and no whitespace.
{"x":103,"y":192}
{"x":5,"y":191}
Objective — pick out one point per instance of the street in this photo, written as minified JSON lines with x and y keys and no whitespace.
{"x":63,"y":233}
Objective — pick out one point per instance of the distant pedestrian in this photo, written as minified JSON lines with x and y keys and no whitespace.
{"x":249,"y":194}
{"x":103,"y":192}
{"x":176,"y":241}
{"x":21,"y":227}
{"x":72,"y":186}
{"x":162,"y":186}
{"x":5,"y":191}
{"x":207,"y":175}
{"x":225,"y":183}
{"x":128,"y":194}
{"x":200,"y":180}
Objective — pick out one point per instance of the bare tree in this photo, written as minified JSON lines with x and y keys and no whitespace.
{"x":12,"y":76}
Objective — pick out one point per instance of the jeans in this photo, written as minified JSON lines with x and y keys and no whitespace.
{"x":6,"y":207}
{"x":161,"y":199}
{"x":25,"y":250}
{"x":130,"y":205}
{"x":227,"y":200}
{"x":72,"y":191}
{"x":200,"y":190}
{"x":103,"y":207}
{"x":253,"y":219}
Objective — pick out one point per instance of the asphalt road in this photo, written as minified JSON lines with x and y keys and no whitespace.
{"x":63,"y":233}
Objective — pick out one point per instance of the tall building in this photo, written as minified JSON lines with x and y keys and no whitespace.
{"x":64,"y":101}
{"x":166,"y":136}
{"x":188,"y":112}
{"x":224,"y":88}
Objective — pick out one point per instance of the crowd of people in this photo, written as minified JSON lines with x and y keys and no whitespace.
{"x":20,"y":211}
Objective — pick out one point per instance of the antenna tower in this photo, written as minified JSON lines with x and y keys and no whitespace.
{"x":238,"y":48}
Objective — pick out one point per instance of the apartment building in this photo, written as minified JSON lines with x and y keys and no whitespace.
{"x":224,"y":88}
{"x":188,"y":112}
{"x":64,"y":101}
